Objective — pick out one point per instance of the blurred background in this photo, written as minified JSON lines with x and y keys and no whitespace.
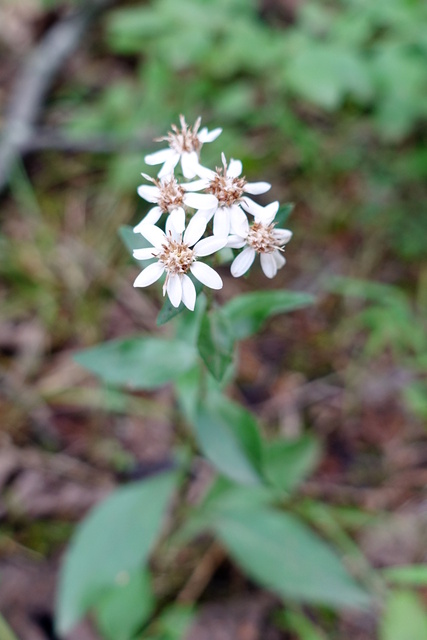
{"x":327,"y":100}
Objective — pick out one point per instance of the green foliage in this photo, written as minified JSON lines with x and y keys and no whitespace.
{"x":407,"y":576}
{"x":332,"y":54}
{"x":299,"y":623}
{"x":172,"y":623}
{"x":216,"y":344}
{"x":228,"y":435}
{"x":125,"y":607}
{"x":138,"y":363}
{"x":404,"y":618}
{"x":247,"y":313}
{"x":288,"y":462}
{"x":6,"y":632}
{"x":111,"y":544}
{"x":283,"y":555}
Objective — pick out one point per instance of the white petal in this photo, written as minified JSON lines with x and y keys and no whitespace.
{"x":144,"y":254}
{"x":171,"y":232}
{"x":257,"y":187}
{"x":210,"y":245}
{"x":268,"y":213}
{"x":204,"y":172}
{"x":159,"y":157}
{"x":174,"y":289}
{"x":235,"y":242}
{"x":206,"y":275}
{"x":283,"y":235}
{"x":250,"y":206}
{"x":152,"y":217}
{"x":206,"y":213}
{"x":188,"y":292}
{"x":149,"y":193}
{"x":149,"y":275}
{"x":234,"y":169}
{"x":242,"y":262}
{"x":196,"y":185}
{"x":209,"y":136}
{"x":189,"y":164}
{"x":238,"y":221}
{"x":279,"y":259}
{"x":176,"y":218}
{"x":153,"y":234}
{"x":169,"y":165}
{"x":195,"y":229}
{"x":221,"y":226}
{"x":268,"y":264}
{"x":200,"y":200}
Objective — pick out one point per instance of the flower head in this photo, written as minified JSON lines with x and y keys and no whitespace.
{"x":260,"y":237}
{"x":177,"y":254}
{"x":171,"y":197}
{"x":229,"y":186}
{"x":184,"y":145}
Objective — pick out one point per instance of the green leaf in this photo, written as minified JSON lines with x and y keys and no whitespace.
{"x":408,"y":575}
{"x":168,"y":311}
{"x":228,"y":436}
{"x":215,"y":344}
{"x":283,"y":555}
{"x":133,"y":241}
{"x":6,"y":632}
{"x":283,"y":214}
{"x":173,"y":623}
{"x":299,"y":623}
{"x":223,"y":496}
{"x":138,"y":363}
{"x":288,"y":462}
{"x":247,"y":313}
{"x":404,"y":617}
{"x":126,"y":607}
{"x":111,"y":543}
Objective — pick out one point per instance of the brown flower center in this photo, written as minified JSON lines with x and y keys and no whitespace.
{"x":228,"y":191}
{"x":184,"y":140}
{"x":177,"y":257}
{"x":261,"y":238}
{"x":171,"y":194}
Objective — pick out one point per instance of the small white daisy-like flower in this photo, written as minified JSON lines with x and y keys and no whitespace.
{"x":177,"y":254}
{"x":184,"y":144}
{"x":259,"y":237}
{"x":228,"y":186}
{"x":171,"y":197}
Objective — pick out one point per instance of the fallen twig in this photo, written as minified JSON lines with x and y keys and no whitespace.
{"x":35,"y":80}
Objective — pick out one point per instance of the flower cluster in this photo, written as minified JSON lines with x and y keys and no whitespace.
{"x":189,"y":205}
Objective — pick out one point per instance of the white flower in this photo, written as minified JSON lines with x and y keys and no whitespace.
{"x":260,"y":237}
{"x":177,"y":254}
{"x":171,"y":197}
{"x":184,"y":145}
{"x":228,"y":187}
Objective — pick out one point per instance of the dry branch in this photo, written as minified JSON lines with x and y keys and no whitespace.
{"x":35,"y":80}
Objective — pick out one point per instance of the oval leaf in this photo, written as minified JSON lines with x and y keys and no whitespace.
{"x":288,"y":462}
{"x":138,"y":363}
{"x":404,"y":618}
{"x":228,"y":435}
{"x":247,"y":313}
{"x":125,"y":608}
{"x":111,"y":543}
{"x":283,"y":555}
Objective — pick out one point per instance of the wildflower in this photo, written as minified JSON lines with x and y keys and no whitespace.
{"x":171,"y":197}
{"x":227,"y":185}
{"x":178,"y":254}
{"x":184,"y":146}
{"x":260,"y":237}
